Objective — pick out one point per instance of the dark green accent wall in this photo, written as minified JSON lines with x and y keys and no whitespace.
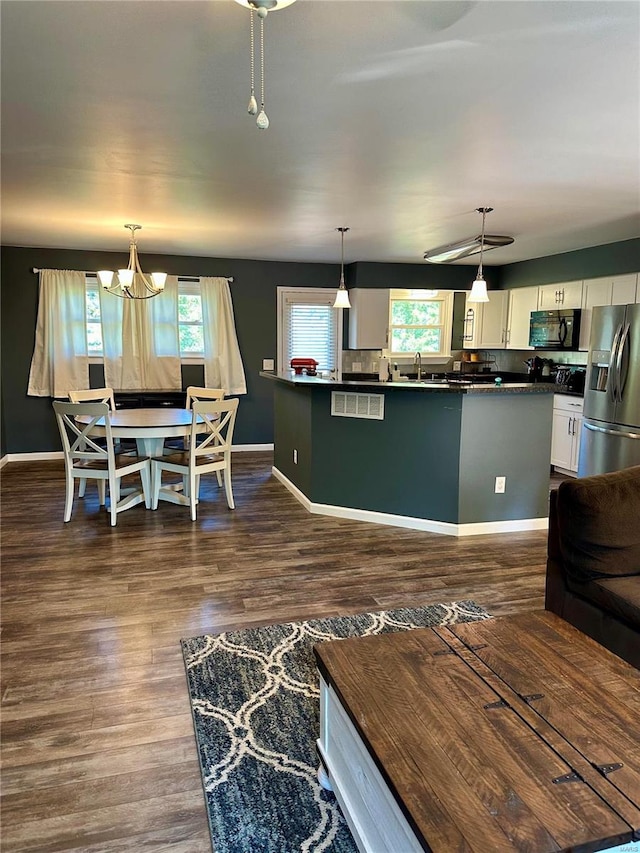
{"x":610,"y":259}
{"x":434,"y":456}
{"x":505,"y":435}
{"x":424,"y":275}
{"x":28,"y":422}
{"x":406,"y":464}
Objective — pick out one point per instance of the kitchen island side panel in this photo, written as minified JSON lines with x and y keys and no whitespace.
{"x":508,"y":436}
{"x":292,"y":432}
{"x":406,"y":464}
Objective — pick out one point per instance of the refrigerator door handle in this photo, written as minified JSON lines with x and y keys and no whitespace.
{"x":615,"y":432}
{"x":622,"y":367}
{"x":612,"y":379}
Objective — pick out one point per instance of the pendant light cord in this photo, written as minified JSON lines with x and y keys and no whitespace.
{"x":484,"y":213}
{"x":262,"y":58}
{"x":253,"y":69}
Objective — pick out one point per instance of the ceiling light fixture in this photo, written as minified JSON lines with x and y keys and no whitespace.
{"x":479,"y":286}
{"x":262,"y":7}
{"x":342,"y":296}
{"x":465,"y":248}
{"x":132,"y":282}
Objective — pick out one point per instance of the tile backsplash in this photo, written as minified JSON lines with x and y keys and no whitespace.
{"x":508,"y":361}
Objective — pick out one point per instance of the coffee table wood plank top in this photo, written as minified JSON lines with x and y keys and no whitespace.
{"x":467,"y":759}
{"x":576,"y":687}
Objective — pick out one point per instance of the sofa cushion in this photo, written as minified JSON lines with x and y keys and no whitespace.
{"x":599,"y":525}
{"x":620,"y":597}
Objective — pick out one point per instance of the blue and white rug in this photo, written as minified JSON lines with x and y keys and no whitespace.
{"x":255,"y":703}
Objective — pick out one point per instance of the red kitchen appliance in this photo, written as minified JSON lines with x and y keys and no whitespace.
{"x":308,"y":365}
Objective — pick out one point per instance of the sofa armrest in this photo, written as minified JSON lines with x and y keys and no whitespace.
{"x":555,"y":587}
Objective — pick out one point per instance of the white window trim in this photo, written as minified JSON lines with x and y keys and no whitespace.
{"x":282,"y":292}
{"x":447,"y":298}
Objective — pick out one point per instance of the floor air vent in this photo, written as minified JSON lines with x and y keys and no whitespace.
{"x":349,"y":405}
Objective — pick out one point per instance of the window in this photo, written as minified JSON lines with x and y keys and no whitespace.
{"x":420,"y":321}
{"x":190,"y":329}
{"x":94,"y":326}
{"x":190,"y":318}
{"x":309,"y":327}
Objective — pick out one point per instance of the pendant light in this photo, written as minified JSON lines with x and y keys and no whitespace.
{"x":128,"y":278}
{"x":342,"y":296}
{"x":479,"y":287}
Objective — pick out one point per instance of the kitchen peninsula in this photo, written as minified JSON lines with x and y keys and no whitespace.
{"x":419,"y":455}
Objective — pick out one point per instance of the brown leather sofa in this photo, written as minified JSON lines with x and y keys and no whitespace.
{"x":593,"y":562}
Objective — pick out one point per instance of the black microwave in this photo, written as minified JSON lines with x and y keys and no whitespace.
{"x":555,"y":329}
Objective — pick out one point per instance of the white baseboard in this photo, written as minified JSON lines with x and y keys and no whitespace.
{"x":43,"y":456}
{"x":424,"y":524}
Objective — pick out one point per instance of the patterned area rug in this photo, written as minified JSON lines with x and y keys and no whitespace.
{"x":255,"y":703}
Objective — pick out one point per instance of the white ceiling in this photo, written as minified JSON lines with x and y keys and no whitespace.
{"x":396,"y":118}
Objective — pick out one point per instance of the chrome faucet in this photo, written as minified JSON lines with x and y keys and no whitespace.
{"x":417,"y":362}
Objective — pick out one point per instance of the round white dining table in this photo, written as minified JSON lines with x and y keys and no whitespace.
{"x":149,"y":427}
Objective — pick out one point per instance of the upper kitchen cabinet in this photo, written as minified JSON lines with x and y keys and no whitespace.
{"x":368,"y":318}
{"x":617,"y":290}
{"x":486,"y":322}
{"x":522,"y":301}
{"x":566,"y":294}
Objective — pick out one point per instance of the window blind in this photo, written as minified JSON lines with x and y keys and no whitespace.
{"x":311,"y":329}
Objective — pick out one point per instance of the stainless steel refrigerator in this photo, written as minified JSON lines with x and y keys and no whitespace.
{"x":610,"y":437}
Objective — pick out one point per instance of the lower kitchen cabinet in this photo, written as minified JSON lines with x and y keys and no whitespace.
{"x":565,"y":437}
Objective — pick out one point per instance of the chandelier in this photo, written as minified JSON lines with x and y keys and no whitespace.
{"x":342,"y":296}
{"x":262,"y":7}
{"x":132,"y":282}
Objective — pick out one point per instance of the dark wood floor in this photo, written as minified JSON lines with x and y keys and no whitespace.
{"x":98,"y":746}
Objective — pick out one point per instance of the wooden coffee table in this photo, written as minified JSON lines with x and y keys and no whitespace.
{"x":510,"y":734}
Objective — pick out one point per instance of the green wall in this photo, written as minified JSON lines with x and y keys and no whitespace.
{"x":27,"y":422}
{"x":434,"y":456}
{"x":597,"y":261}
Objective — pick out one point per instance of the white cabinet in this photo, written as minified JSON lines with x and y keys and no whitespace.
{"x":369,"y":318}
{"x":566,"y":294}
{"x":565,"y":437}
{"x":611,"y":290}
{"x":522,"y":301}
{"x":485,"y":324}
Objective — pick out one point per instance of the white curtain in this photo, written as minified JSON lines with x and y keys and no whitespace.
{"x":222,"y":360}
{"x":60,"y":362}
{"x":140,"y":340}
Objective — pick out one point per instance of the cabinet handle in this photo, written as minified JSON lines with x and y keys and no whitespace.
{"x":569,"y":426}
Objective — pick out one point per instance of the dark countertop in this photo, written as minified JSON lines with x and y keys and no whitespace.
{"x":448,"y":387}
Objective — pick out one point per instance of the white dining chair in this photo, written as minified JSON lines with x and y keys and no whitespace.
{"x":209,"y":450}
{"x":98,"y":395}
{"x":85,"y":458}
{"x":199,"y":393}
{"x":194,"y":392}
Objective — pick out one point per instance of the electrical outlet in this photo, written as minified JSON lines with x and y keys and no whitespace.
{"x":357,"y":367}
{"x":268,"y":364}
{"x":501,"y":485}
{"x":295,"y":457}
{"x":457,"y":366}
